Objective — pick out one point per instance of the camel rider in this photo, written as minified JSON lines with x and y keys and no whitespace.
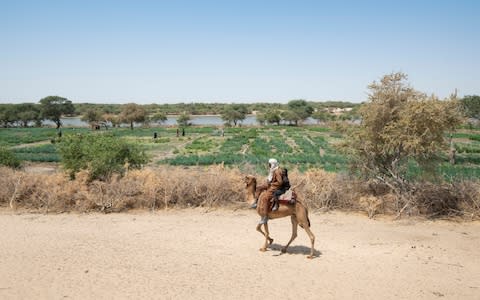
{"x":272,"y":189}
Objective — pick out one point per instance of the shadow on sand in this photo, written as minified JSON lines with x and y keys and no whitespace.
{"x":295,"y":250}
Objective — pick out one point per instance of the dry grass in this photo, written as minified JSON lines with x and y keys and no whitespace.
{"x":147,"y":189}
{"x":215,"y":186}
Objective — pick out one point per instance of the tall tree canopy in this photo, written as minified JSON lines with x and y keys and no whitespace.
{"x":183,"y":119}
{"x":133,"y":113}
{"x":28,"y":112}
{"x":400,"y":125}
{"x":234,"y":113}
{"x":159,"y":117}
{"x":53,"y":107}
{"x":299,"y":110}
{"x":471,"y":106}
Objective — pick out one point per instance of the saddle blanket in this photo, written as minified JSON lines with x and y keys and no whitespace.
{"x":288,"y":197}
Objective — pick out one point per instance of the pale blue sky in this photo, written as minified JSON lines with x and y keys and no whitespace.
{"x":233,"y":51}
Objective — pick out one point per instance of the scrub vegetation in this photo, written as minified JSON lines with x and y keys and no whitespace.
{"x":401,"y":152}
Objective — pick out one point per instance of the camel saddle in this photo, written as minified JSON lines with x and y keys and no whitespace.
{"x":287,"y":198}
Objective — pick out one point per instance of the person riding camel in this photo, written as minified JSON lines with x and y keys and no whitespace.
{"x":272,"y":189}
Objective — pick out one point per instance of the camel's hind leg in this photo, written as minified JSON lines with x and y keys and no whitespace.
{"x":294,"y":233}
{"x":304,"y":222}
{"x":312,"y":238}
{"x":266,"y":234}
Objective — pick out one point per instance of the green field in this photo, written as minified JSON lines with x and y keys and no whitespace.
{"x":299,"y":148}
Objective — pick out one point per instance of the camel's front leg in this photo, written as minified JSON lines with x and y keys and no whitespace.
{"x":294,"y":233}
{"x":266,"y":234}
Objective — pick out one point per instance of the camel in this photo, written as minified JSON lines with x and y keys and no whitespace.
{"x":297,"y":212}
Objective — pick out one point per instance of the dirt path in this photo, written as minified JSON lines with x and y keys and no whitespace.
{"x":192,"y":255}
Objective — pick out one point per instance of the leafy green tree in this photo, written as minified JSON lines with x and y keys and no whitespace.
{"x":400,"y":125}
{"x":159,"y":117}
{"x":302,"y":110}
{"x":102,"y":155}
{"x":28,"y":112}
{"x":53,"y":107}
{"x":183,"y":119}
{"x":7,"y":114}
{"x":234,"y":113}
{"x":290,"y":116}
{"x":471,"y":106}
{"x":322,"y":116}
{"x":273,"y":116}
{"x":133,"y":113}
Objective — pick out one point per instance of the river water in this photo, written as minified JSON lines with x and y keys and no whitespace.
{"x":172,"y":121}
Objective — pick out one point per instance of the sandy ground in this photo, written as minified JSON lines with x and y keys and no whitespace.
{"x":190,"y":254}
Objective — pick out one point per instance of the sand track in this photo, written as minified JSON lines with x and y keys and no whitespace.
{"x":189,"y":254}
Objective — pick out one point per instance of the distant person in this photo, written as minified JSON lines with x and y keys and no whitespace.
{"x":183,"y":131}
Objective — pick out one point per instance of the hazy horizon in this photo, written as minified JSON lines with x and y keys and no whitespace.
{"x":116,"y":52}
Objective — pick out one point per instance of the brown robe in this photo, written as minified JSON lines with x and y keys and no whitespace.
{"x":266,"y":197}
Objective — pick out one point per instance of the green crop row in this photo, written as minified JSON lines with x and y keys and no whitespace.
{"x":201,"y":145}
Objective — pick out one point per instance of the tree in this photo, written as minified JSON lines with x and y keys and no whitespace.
{"x":261,"y":118}
{"x":322,"y":116}
{"x":471,"y":106}
{"x":183,"y":119}
{"x":28,"y":112}
{"x":290,"y":116}
{"x":399,"y":126}
{"x":234,"y":113}
{"x":112,"y":118}
{"x":159,"y":117}
{"x":133,"y":113}
{"x":92,"y":116}
{"x":273,"y":116}
{"x":7,"y":114}
{"x":53,"y":107}
{"x":302,"y":110}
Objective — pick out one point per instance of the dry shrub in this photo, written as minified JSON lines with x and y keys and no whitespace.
{"x":205,"y":187}
{"x":32,"y":191}
{"x":323,"y":190}
{"x":148,"y":188}
{"x":371,"y":204}
{"x":215,"y":186}
{"x":447,"y":199}
{"x":9,"y":181}
{"x":168,"y":187}
{"x":317,"y":188}
{"x":469,"y":192}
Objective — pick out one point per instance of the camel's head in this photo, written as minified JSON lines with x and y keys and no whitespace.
{"x":250,"y":180}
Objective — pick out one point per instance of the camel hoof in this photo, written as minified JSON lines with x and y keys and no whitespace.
{"x":263,"y":249}
{"x":284,"y":250}
{"x":270,"y":241}
{"x":309,"y":256}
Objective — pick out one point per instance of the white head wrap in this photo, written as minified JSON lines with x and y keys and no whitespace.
{"x":273,"y":166}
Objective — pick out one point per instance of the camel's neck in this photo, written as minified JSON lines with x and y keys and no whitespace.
{"x":250,"y":195}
